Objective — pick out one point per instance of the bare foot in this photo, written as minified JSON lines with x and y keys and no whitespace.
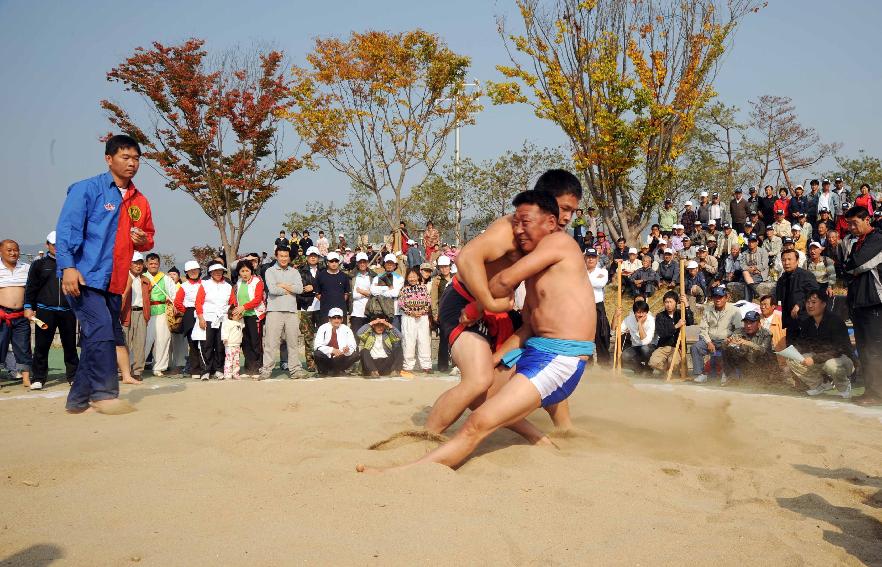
{"x":369,"y":470}
{"x":132,"y":381}
{"x":545,"y":442}
{"x":80,"y":410}
{"x":113,"y":406}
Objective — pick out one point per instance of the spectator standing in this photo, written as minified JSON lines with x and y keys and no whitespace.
{"x":162,"y":294}
{"x":753,"y":202}
{"x":703,"y":208}
{"x":308,"y":304}
{"x":822,"y":338}
{"x":282,"y":241}
{"x":667,"y":217}
{"x":799,"y":203}
{"x":792,"y":288}
{"x":185,"y":302}
{"x":580,"y":227}
{"x":95,"y":242}
{"x":133,"y":317}
{"x":439,"y":284}
{"x":332,"y":287}
{"x":43,"y":299}
{"x":812,"y":198}
{"x":716,"y":326}
{"x":232,"y":335}
{"x":380,"y":346}
{"x":718,"y":213}
{"x":282,"y":322}
{"x":335,"y":347}
{"x":738,"y":210}
{"x":829,"y":200}
{"x":388,"y":285}
{"x":598,"y":277}
{"x":865,"y":200}
{"x":688,"y":218}
{"x":414,"y":304}
{"x":431,"y":240}
{"x":667,"y":330}
{"x":783,"y":202}
{"x":414,"y":255}
{"x":863,"y":272}
{"x":212,"y":306}
{"x":306,"y":243}
{"x":247,"y":296}
{"x":360,"y":284}
{"x":322,"y":244}
{"x":767,"y":205}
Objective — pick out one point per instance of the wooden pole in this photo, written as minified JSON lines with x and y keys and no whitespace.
{"x":671,"y":365}
{"x":683,"y":318}
{"x":617,"y":358}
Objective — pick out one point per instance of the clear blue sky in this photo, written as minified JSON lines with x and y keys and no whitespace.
{"x":825,"y":55}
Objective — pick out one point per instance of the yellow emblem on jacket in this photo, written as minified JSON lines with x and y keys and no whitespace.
{"x":135,"y":213}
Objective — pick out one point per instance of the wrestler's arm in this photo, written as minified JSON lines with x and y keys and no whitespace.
{"x":472,"y":260}
{"x":549,"y":251}
{"x":517,"y":340}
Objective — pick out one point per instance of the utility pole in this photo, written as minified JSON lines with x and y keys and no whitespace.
{"x":456,"y":180}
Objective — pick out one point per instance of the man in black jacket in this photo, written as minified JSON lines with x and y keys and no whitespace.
{"x":307,"y":303}
{"x":767,"y":205}
{"x":44,"y":300}
{"x":792,"y":289}
{"x":667,"y":329}
{"x":822,"y":338}
{"x":863,"y":273}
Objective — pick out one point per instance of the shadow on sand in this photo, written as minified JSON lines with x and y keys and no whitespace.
{"x":34,"y":556}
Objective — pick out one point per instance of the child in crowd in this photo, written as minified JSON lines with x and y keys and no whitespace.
{"x":414,"y":304}
{"x":231,"y":335}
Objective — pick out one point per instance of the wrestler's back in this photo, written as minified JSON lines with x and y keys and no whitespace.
{"x":560,"y":299}
{"x":495,"y":248}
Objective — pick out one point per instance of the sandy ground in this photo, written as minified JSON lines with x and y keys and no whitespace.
{"x":246,"y":473}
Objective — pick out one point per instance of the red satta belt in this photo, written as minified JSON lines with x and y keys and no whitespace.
{"x":8,"y":316}
{"x":499,"y":325}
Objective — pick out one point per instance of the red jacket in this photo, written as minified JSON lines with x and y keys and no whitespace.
{"x":125,"y":312}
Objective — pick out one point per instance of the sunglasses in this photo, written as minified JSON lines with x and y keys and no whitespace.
{"x":334,"y":260}
{"x":336,"y":317}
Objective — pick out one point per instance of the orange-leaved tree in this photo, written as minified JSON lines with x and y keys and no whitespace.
{"x":212,"y":127}
{"x":623,"y":79}
{"x":379,"y":107}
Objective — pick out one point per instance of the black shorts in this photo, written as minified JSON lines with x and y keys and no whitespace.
{"x":449,"y":310}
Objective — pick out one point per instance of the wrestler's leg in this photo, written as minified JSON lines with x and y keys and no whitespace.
{"x":473,"y":356}
{"x":523,"y":427}
{"x":560,"y":415}
{"x":517,"y":399}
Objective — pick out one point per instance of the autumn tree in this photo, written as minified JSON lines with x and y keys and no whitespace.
{"x":212,"y":127}
{"x":204,"y":254}
{"x":379,"y":107}
{"x":779,"y":144}
{"x":624,"y":81}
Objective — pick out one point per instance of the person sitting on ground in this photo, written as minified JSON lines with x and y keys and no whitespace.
{"x":631,"y":265}
{"x":620,"y":252}
{"x":640,"y":325}
{"x":748,"y":350}
{"x":822,"y":338}
{"x":716,"y":326}
{"x":707,"y":262}
{"x":335,"y":347}
{"x":756,"y":267}
{"x":771,"y":321}
{"x":696,"y":285}
{"x":798,"y":241}
{"x":381,"y":348}
{"x":644,"y":280}
{"x":688,"y":251}
{"x":667,"y":330}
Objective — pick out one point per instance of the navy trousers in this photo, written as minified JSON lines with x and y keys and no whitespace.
{"x":100,"y":333}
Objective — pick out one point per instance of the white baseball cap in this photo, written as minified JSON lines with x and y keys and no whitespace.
{"x":712,"y":222}
{"x":332,"y":256}
{"x":214,"y":267}
{"x":816,"y":244}
{"x":341,"y":235}
{"x":190,"y":265}
{"x":312,"y":250}
{"x":50,"y":238}
{"x":410,"y":242}
{"x":632,"y":250}
{"x":335,"y":312}
{"x":137,"y":257}
{"x":361,"y":256}
{"x":688,"y":203}
{"x":668,"y":251}
{"x":444,"y":260}
{"x":703,"y":194}
{"x":691,"y":264}
{"x":390,"y":258}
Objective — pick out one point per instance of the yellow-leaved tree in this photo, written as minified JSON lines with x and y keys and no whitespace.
{"x":380,"y":106}
{"x":623,"y":79}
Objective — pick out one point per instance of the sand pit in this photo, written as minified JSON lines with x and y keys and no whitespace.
{"x":243,"y":473}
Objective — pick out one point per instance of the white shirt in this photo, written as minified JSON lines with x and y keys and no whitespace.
{"x":630,"y":325}
{"x":598,"y":277}
{"x":824,"y":202}
{"x":385,"y":291}
{"x":316,"y":304}
{"x":217,"y":301}
{"x":16,"y":277}
{"x":190,"y":291}
{"x":137,"y":294}
{"x":629,"y":266}
{"x":345,"y":338}
{"x":359,"y":301}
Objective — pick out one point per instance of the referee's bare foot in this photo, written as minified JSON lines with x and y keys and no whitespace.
{"x":113,"y":406}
